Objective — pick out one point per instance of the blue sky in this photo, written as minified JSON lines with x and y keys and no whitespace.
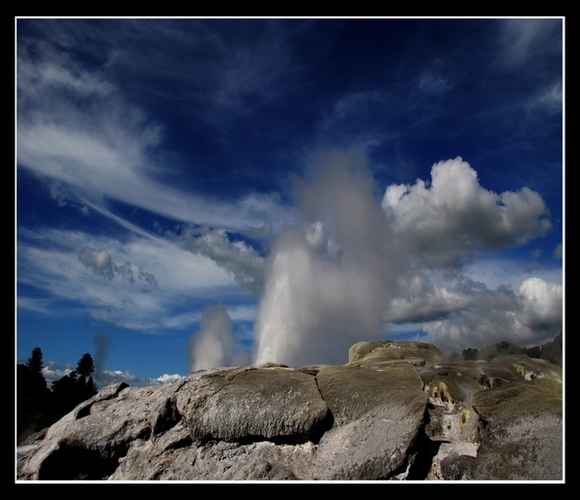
{"x":212,"y":192}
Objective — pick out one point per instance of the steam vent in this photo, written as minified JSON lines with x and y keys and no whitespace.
{"x":395,"y":411}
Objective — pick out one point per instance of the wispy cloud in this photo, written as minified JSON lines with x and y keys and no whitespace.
{"x":141,"y":292}
{"x":523,"y":39}
{"x":104,"y":151}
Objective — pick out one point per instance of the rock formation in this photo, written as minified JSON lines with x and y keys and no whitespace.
{"x":396,"y":411}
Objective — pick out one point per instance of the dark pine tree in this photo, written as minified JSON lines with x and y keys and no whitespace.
{"x":32,"y":396}
{"x":75,"y":387}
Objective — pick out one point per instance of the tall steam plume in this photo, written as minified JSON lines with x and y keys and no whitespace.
{"x":329,"y":281}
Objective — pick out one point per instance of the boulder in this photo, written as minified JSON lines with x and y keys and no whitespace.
{"x":377,"y":418}
{"x":393,"y":352}
{"x":396,"y":411}
{"x":350,"y":392}
{"x":281,"y":405}
{"x":523,"y":432}
{"x":376,"y":445}
{"x":529,"y":368}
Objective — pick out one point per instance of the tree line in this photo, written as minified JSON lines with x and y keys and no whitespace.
{"x":37,"y":406}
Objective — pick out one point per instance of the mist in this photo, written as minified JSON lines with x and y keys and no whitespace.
{"x":213,"y":345}
{"x":101,"y":343}
{"x":330,"y":278}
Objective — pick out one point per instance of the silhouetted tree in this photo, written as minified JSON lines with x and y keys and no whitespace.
{"x":35,"y":361}
{"x":32,"y":396}
{"x":75,"y":387}
{"x":85,"y":366}
{"x":469,"y":353}
{"x":37,"y":406}
{"x":86,"y":384}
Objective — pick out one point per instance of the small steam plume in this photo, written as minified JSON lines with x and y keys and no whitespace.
{"x":329,"y":282}
{"x":214,"y":345}
{"x":101,"y":343}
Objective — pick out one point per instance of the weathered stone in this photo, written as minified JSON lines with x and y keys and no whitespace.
{"x":468,"y":369}
{"x":402,"y":414}
{"x":90,"y":439}
{"x":389,"y":352}
{"x":523,"y":435}
{"x":350,"y":391}
{"x":453,"y":391}
{"x":281,"y":405}
{"x":529,"y":368}
{"x":376,"y":445}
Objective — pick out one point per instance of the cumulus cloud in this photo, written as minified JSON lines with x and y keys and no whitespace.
{"x":453,"y":217}
{"x":419,"y":300}
{"x":98,"y":260}
{"x":541,"y":306}
{"x":52,"y":371}
{"x":107,"y":377}
{"x":530,"y":316}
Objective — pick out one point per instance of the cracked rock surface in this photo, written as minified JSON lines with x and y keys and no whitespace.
{"x":396,"y":411}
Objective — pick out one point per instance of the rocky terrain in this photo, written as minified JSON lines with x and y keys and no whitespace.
{"x":395,"y":411}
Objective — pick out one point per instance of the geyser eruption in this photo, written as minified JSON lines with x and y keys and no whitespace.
{"x":214,"y":344}
{"x":328,"y":282}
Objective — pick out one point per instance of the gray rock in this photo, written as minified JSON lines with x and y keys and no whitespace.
{"x":529,"y":368}
{"x":393,"y":352}
{"x":378,"y":415}
{"x":264,"y":404}
{"x":87,"y":442}
{"x":523,"y":434}
{"x":350,"y":391}
{"x":376,"y":445}
{"x":396,"y":411}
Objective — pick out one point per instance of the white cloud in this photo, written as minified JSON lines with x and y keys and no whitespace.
{"x":107,"y":377}
{"x":542,"y":305}
{"x":125,"y":294}
{"x":52,"y":372}
{"x":454,"y":217}
{"x":420,"y":301}
{"x":532,"y":316}
{"x":103,"y":150}
{"x":236,"y":257}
